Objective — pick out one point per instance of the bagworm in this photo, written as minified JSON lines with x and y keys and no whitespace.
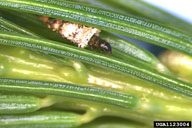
{"x":80,"y":35}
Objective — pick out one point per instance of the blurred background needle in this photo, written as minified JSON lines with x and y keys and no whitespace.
{"x":179,"y":8}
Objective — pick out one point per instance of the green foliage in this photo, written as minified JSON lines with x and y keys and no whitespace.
{"x":130,"y":84}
